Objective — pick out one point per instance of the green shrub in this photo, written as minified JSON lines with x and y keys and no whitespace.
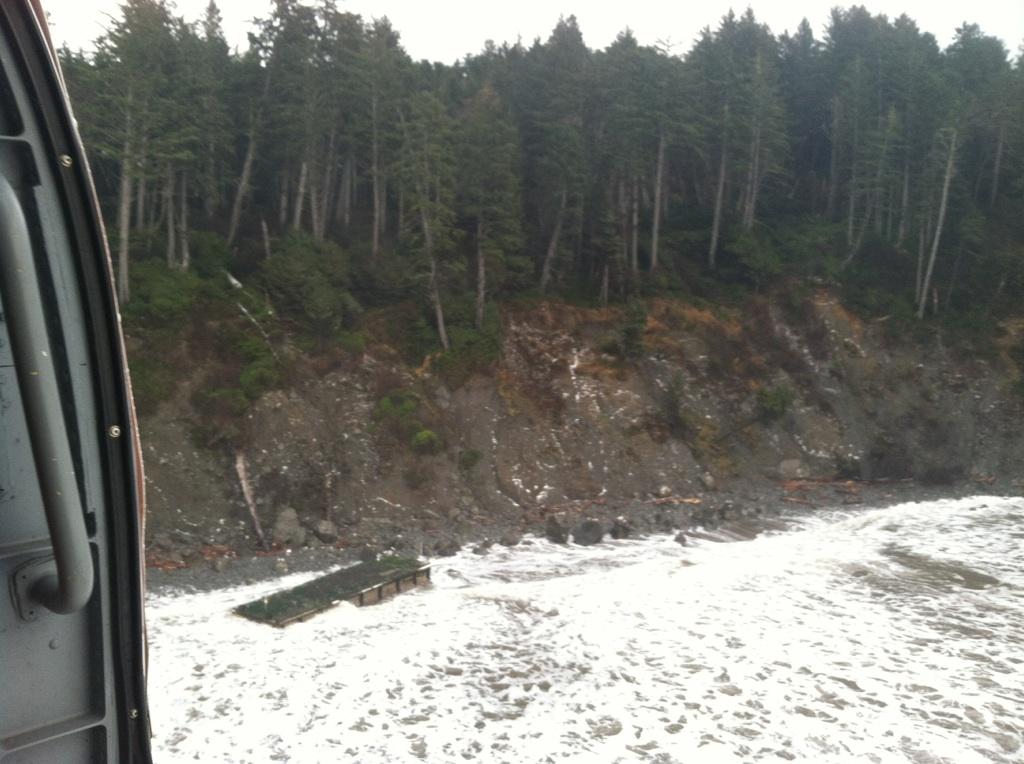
{"x":228,"y":402}
{"x":210,"y":254}
{"x":161,"y":297}
{"x":758,"y":255}
{"x":425,"y":442}
{"x":678,"y":423}
{"x":1016,"y":353}
{"x":472,"y":351}
{"x":353,"y":343}
{"x":384,"y":280}
{"x":413,"y":332}
{"x":309,"y":281}
{"x":469,"y":458}
{"x":631,"y":340}
{"x":258,"y":377}
{"x":774,"y":402}
{"x":152,"y":382}
{"x":611,"y":346}
{"x":396,"y":405}
{"x":396,"y":414}
{"x":808,"y":246}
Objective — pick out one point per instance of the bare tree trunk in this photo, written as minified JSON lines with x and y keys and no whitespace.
{"x":323,"y":206}
{"x":716,"y":226}
{"x":242,"y":470}
{"x":435,"y":298}
{"x":755,"y":191}
{"x":954,"y":277}
{"x":549,"y":257}
{"x":833,"y":165}
{"x":401,"y":208}
{"x":266,"y":237}
{"x":153,"y":210}
{"x":314,"y":209}
{"x":882,"y":209}
{"x":212,"y":193}
{"x":327,"y":183}
{"x":919,"y":277}
{"x":879,"y":191}
{"x":658,"y":183}
{"x":744,"y":202}
{"x":259,"y":327}
{"x":904,"y":205}
{"x":999,"y":290}
{"x":140,"y":187}
{"x":282,"y":211}
{"x":890,"y":212}
{"x":481,"y":275}
{"x":343,"y":209}
{"x":942,"y":219}
{"x":604,"y":285}
{"x":753,"y":180}
{"x":383,"y":206}
{"x":624,"y":223}
{"x":186,"y":254}
{"x":124,"y":211}
{"x":159,"y":210}
{"x":924,"y":233}
{"x":998,"y":166}
{"x":375,"y":177}
{"x":634,"y":228}
{"x":140,"y":203}
{"x":172,"y":219}
{"x":434,"y":287}
{"x":859,"y":238}
{"x":300,"y":196}
{"x":874,"y":209}
{"x":243,"y":185}
{"x":852,"y":208}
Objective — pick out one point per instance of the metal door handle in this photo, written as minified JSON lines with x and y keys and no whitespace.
{"x":71,"y":587}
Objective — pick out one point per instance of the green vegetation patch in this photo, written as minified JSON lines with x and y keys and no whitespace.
{"x":309,"y":281}
{"x":396,"y":414}
{"x":469,"y":458}
{"x":1016,"y":353}
{"x":426,"y":442}
{"x":773,"y":402}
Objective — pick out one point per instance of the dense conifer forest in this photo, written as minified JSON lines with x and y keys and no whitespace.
{"x":321,"y":174}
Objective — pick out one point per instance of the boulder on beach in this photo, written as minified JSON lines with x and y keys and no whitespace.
{"x":326,"y":531}
{"x":588,"y":532}
{"x":621,"y":528}
{"x":510,"y":538}
{"x":554,"y":531}
{"x":288,"y":531}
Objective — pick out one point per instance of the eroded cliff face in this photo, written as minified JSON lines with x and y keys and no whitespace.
{"x":715,"y":404}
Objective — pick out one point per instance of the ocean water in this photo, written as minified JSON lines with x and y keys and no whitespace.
{"x":867,"y":635}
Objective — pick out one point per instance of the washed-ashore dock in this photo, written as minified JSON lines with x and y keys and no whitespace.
{"x":364,"y":584}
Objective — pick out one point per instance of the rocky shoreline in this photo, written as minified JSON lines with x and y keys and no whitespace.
{"x":729,"y":515}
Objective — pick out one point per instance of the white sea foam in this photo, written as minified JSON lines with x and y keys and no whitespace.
{"x":874,"y":635}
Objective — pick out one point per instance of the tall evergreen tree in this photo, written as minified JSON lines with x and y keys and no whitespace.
{"x":488,"y":184}
{"x":428,"y":168}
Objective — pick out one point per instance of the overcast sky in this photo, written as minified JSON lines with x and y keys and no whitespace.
{"x":446,"y":30}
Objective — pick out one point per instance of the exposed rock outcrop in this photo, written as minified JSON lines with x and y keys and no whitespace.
{"x":587,"y":533}
{"x":559,"y":431}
